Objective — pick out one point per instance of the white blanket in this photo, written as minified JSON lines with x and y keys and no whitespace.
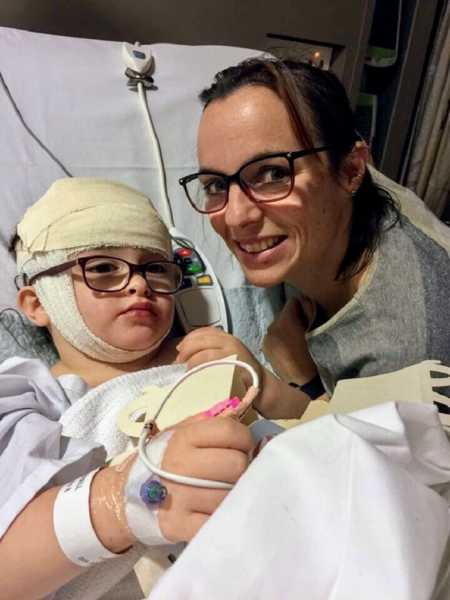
{"x":342,"y":508}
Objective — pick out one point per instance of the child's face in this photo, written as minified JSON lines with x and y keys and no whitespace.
{"x":134,"y":318}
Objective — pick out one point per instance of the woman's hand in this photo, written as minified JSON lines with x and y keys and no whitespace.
{"x":285,"y":346}
{"x":215,"y":448}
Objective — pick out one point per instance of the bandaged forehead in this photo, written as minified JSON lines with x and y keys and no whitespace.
{"x":87,"y":212}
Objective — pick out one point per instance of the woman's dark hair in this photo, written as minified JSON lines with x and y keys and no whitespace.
{"x":321,"y":114}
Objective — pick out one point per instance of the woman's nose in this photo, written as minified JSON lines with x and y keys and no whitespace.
{"x":241,"y":210}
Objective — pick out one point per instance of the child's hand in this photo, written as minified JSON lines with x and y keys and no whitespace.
{"x":209,"y":343}
{"x":217,"y":449}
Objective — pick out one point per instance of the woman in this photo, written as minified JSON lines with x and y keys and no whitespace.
{"x":284,"y":181}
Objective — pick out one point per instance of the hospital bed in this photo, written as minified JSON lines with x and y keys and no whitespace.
{"x":73,"y":94}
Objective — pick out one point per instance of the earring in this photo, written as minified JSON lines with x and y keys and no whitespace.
{"x":358,"y":179}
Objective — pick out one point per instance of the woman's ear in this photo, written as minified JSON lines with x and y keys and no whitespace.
{"x":354,"y":167}
{"x":30,"y":305}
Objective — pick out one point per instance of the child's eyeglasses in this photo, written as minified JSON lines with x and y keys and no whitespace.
{"x":110,"y":274}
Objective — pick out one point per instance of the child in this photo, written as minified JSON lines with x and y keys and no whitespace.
{"x":94,"y":261}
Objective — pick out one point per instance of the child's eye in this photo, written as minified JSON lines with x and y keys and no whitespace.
{"x":156,"y":268}
{"x":102,"y":267}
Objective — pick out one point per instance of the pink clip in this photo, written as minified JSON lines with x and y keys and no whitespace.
{"x":221,"y":406}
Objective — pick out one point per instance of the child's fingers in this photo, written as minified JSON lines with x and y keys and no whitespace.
{"x":198,"y":334}
{"x":186,"y":351}
{"x":213,"y":433}
{"x":182,"y":526}
{"x":217,"y":464}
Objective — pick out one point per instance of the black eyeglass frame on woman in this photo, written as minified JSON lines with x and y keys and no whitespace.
{"x":133,"y":268}
{"x":245,"y":187}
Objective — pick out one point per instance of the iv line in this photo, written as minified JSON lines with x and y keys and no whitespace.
{"x":249,"y":396}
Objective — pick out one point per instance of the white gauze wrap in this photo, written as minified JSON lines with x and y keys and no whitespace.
{"x":77,"y":214}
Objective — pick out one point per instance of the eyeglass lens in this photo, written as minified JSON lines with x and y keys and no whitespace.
{"x":264,"y":180}
{"x":113,"y":274}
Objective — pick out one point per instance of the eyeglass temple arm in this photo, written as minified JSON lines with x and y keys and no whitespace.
{"x":51,"y":271}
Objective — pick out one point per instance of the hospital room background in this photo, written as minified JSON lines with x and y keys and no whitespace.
{"x":68,"y":107}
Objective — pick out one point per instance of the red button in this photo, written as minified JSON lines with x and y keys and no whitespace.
{"x":184,"y":252}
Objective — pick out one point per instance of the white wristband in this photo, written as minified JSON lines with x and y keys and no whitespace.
{"x":73,"y":526}
{"x":141,"y":518}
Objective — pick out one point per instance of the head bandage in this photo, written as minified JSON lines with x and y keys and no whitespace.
{"x":75,"y":215}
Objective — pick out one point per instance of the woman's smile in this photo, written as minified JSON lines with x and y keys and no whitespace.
{"x":262,"y":253}
{"x":260,"y":245}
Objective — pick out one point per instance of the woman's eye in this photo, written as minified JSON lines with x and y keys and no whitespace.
{"x":271,"y":174}
{"x":214,"y":187}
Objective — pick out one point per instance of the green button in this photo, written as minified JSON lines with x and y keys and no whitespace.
{"x":194,"y":268}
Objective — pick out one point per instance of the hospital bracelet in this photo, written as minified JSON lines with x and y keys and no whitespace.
{"x":314,"y":388}
{"x":73,"y":526}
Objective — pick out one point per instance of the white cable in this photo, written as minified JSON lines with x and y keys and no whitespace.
{"x":184,"y":479}
{"x":158,"y":154}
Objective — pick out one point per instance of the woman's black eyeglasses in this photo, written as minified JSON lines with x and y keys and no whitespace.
{"x":111,"y":274}
{"x":265,"y":179}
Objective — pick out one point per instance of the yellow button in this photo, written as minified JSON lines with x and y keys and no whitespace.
{"x":204,"y":280}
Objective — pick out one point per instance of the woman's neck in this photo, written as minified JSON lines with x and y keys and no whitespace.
{"x":94,"y":372}
{"x":329,"y":293}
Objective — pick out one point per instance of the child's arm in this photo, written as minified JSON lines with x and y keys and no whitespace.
{"x":29,"y":551}
{"x":30,"y":554}
{"x":277,"y":400}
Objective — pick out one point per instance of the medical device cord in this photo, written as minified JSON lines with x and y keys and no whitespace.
{"x":184,"y":479}
{"x":29,"y":130}
{"x":157,"y":151}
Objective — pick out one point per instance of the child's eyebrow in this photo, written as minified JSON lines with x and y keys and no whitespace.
{"x":143,"y":254}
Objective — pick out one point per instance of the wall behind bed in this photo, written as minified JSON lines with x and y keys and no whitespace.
{"x":344,"y":24}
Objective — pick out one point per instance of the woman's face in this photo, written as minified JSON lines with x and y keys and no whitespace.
{"x":290,"y":239}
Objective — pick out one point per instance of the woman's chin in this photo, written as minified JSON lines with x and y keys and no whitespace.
{"x":264,"y":278}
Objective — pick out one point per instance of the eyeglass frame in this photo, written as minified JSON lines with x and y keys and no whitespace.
{"x":235,"y":177}
{"x":132,"y":269}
